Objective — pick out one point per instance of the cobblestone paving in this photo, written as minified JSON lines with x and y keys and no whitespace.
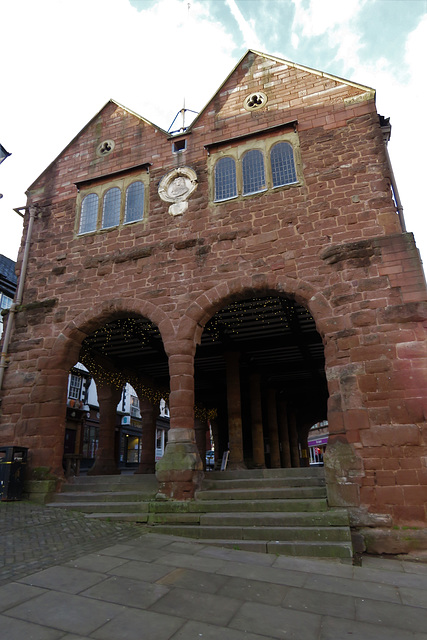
{"x":34,"y":537}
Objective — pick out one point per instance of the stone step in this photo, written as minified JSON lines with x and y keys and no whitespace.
{"x":302,"y":472}
{"x":111,"y":507}
{"x":254,"y":483}
{"x":249,"y":506}
{"x":334,"y":518}
{"x":144,"y":484}
{"x":281,"y":511}
{"x":119,"y":517}
{"x":174,"y":518}
{"x":303,"y":549}
{"x":100,"y":496}
{"x":262,"y":494}
{"x":135,"y":478}
{"x":279,"y":534}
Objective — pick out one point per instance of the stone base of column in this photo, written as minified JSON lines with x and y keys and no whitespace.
{"x":146,"y":467}
{"x":180,"y":471}
{"x":236,"y":466}
{"x":104,"y":468}
{"x":343,"y":468}
{"x":147,"y":463}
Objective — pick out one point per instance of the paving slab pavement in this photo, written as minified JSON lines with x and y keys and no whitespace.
{"x":69,"y":578}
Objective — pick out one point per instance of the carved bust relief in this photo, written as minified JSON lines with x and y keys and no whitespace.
{"x":176,"y":187}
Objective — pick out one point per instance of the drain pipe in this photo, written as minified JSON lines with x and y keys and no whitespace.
{"x":399,"y":207}
{"x":18,"y":298}
{"x":386,"y":131}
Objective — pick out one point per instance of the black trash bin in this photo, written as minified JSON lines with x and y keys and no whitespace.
{"x":13,"y":462}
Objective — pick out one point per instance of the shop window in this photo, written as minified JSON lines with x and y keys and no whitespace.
{"x":133,"y":449}
{"x":90,"y":441}
{"x":160,"y":443}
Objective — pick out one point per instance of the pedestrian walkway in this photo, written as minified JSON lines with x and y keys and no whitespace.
{"x":103,"y":581}
{"x":33,"y":537}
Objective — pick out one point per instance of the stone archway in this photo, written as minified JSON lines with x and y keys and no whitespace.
{"x":41,"y":424}
{"x":128,"y":348}
{"x":183,"y":468}
{"x":260,"y":365}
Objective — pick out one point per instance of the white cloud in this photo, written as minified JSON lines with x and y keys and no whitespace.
{"x":324,"y":16}
{"x":335,"y":20}
{"x":246,"y":28}
{"x":409,"y":140}
{"x":294,"y":40}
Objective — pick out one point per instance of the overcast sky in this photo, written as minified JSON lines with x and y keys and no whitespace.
{"x":62,"y":61}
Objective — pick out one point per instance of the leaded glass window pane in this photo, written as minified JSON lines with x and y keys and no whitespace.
{"x":89,"y":213}
{"x":5,"y":301}
{"x":111,"y":208}
{"x":134,"y":209}
{"x":283,"y":164}
{"x":225,"y":179}
{"x":75,"y":387}
{"x":253,"y":172}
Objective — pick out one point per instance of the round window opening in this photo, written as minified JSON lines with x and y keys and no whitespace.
{"x":105,"y":148}
{"x":255,"y":101}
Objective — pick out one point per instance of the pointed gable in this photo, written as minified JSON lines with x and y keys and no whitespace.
{"x":116,"y":139}
{"x":290,"y":92}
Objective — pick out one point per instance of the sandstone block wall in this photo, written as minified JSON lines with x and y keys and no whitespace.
{"x":333,"y":242}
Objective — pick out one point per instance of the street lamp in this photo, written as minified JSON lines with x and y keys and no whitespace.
{"x":3,"y":153}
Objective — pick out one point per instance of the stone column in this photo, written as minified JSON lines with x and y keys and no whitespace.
{"x":285,"y":448}
{"x":256,"y":420}
{"x":293,"y":437}
{"x":105,"y":460}
{"x":235,"y":435}
{"x":149,"y":414}
{"x":180,"y":471}
{"x":200,"y":427}
{"x":273,"y":429}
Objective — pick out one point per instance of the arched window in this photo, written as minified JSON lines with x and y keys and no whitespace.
{"x":225,"y":179}
{"x":134,"y":208}
{"x":282,"y":164}
{"x":111,"y":208}
{"x":253,"y":172}
{"x":89,"y":213}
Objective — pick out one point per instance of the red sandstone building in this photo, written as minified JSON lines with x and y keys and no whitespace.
{"x":254,"y":270}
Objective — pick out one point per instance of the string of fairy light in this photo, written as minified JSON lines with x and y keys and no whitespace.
{"x":272,"y":311}
{"x":118,"y":379}
{"x":267,"y":311}
{"x":129,"y":330}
